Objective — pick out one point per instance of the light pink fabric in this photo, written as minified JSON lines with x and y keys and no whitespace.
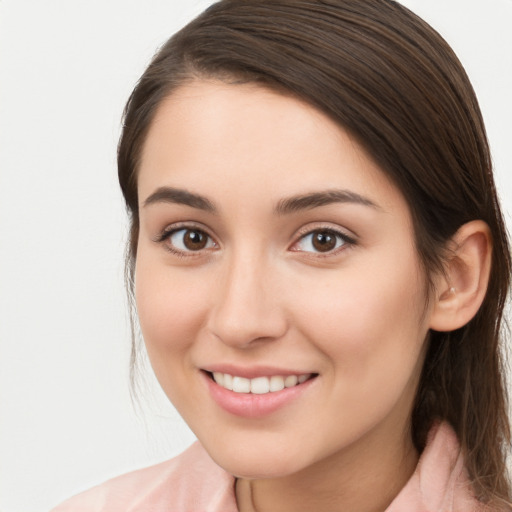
{"x":440,"y":482}
{"x":192,"y":482}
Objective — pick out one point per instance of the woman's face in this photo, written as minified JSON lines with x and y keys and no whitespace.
{"x":274,"y":253}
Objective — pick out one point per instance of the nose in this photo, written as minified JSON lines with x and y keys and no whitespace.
{"x":248,"y":306}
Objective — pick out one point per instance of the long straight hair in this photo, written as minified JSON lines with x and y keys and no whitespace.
{"x":390,"y":80}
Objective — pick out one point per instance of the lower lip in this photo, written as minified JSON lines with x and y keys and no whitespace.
{"x":251,"y":405}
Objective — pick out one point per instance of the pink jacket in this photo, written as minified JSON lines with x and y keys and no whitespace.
{"x":192,"y":482}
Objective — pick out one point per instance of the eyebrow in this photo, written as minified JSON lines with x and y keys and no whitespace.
{"x":322,"y":198}
{"x":180,"y":196}
{"x":284,"y":206}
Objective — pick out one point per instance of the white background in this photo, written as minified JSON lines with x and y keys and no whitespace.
{"x":66,"y":69}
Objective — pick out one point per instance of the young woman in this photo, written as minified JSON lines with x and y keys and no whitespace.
{"x":319,"y":265}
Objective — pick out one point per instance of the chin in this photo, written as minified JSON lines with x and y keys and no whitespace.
{"x":256,"y":461}
{"x":256,"y":469}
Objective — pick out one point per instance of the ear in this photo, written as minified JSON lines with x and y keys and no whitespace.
{"x":461,"y":290}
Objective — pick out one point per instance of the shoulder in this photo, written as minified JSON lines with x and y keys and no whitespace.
{"x":191,"y":482}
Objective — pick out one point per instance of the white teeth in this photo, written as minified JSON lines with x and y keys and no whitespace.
{"x":241,"y":385}
{"x":228,"y":381}
{"x":258,"y":385}
{"x":290,"y":381}
{"x":276,"y":383}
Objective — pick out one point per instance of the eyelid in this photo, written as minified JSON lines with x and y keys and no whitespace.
{"x":176,"y":226}
{"x":169,"y":230}
{"x":327,"y":226}
{"x":349,"y":239}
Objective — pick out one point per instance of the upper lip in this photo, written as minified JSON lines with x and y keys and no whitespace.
{"x":251,"y":372}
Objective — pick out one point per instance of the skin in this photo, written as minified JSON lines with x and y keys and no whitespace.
{"x":259,"y":293}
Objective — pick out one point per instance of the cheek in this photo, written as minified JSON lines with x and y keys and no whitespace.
{"x":170,"y":307}
{"x":370,"y":321}
{"x":372,"y":340}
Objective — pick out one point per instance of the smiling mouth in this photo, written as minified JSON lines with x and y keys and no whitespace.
{"x":259,"y":385}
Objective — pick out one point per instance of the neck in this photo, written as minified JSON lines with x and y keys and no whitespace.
{"x":365,"y":477}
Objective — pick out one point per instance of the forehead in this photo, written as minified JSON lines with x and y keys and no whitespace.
{"x":218,"y":113}
{"x":215,"y":137}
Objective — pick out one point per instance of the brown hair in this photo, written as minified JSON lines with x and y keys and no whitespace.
{"x":392,"y":81}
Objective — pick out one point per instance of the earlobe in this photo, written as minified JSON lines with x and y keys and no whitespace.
{"x":461,"y":290}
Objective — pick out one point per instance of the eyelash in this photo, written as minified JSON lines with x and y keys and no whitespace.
{"x":346,"y":240}
{"x":167,"y":233}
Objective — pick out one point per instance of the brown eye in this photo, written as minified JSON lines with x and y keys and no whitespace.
{"x":322,"y":241}
{"x":195,"y":240}
{"x":187,"y":240}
